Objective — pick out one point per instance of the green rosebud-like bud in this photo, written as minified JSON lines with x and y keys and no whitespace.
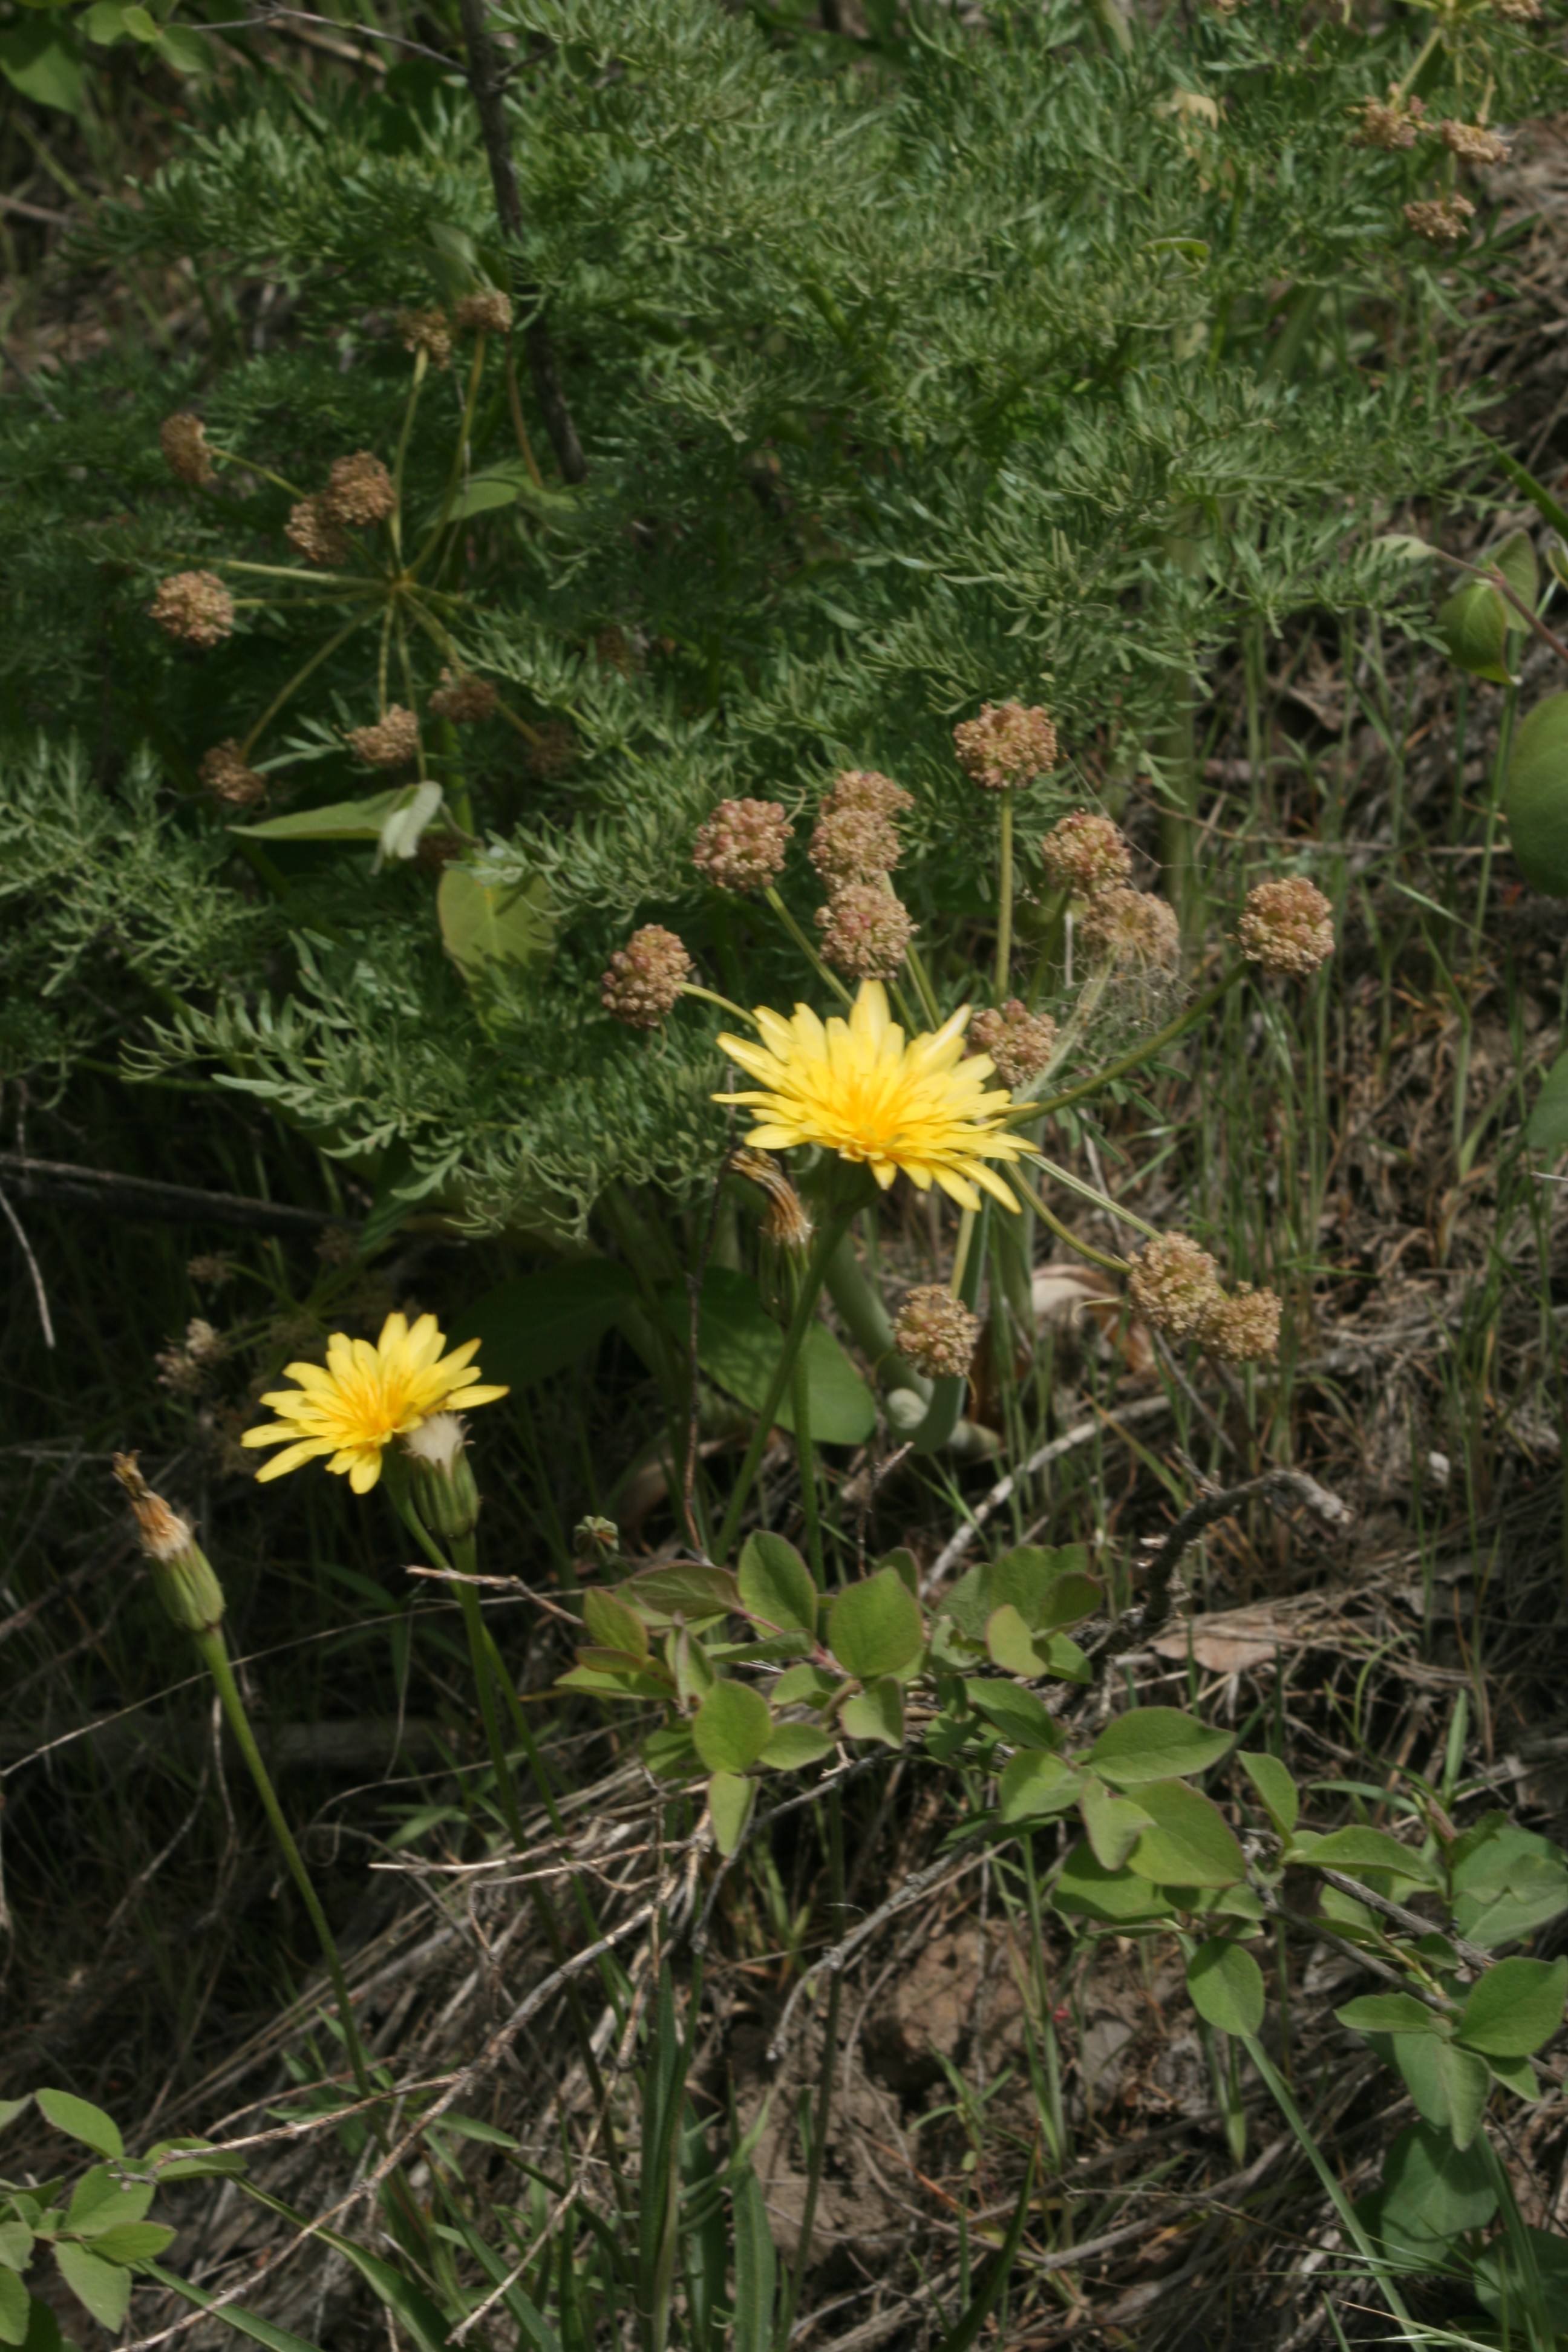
{"x":182,"y":1571}
{"x":441,"y":1483}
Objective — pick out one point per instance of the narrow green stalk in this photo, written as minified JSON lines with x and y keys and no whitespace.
{"x":828,"y":1241}
{"x":923,"y":987}
{"x":711,"y":996}
{"x":287,"y":693}
{"x":1092,"y":1194}
{"x":806,"y":946}
{"x":421,"y":361}
{"x":1135,"y":1055}
{"x":790,"y":2302}
{"x":1054,"y":1224}
{"x":345,"y":583}
{"x":1004,"y":899}
{"x":806,"y":1456}
{"x":465,"y":432}
{"x":231,"y":458}
{"x":859,"y":1302}
{"x":966,"y":1223}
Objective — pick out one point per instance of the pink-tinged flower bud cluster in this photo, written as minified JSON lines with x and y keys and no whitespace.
{"x":865,"y":930}
{"x":183,"y":441}
{"x":464,"y":699}
{"x":1006,"y":746}
{"x":428,"y":332}
{"x":1392,"y":126}
{"x":854,"y":844}
{"x":865,"y":788}
{"x":1132,"y":929}
{"x":487,"y":312}
{"x":1020,"y":1043}
{"x":1286,"y":927}
{"x":1471,"y":144}
{"x":646,"y":977}
{"x":1085,"y":854}
{"x":1439,"y":219}
{"x":224,"y":772}
{"x":314,"y":532}
{"x":391,"y":742}
{"x":1175,"y":1287}
{"x":742,"y":846}
{"x":195,"y":606}
{"x":1243,"y":1329}
{"x":935,"y":1333}
{"x":359,"y":492}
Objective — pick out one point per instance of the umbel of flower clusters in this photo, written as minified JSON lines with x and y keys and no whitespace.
{"x":935,"y":1333}
{"x":183,"y":441}
{"x":1471,"y":144}
{"x":464,"y":699}
{"x":865,"y":788}
{"x":646,"y":977}
{"x":1134,"y":930}
{"x":742,"y":846}
{"x":391,"y":742}
{"x":487,"y":312}
{"x":1286,"y":927}
{"x":194,"y":605}
{"x":1007,"y":746}
{"x":1020,"y":1043}
{"x":1439,"y":219}
{"x":428,"y":332}
{"x":854,"y":844}
{"x":1085,"y":854}
{"x":865,"y":930}
{"x":313,"y":532}
{"x":226,"y":775}
{"x":1175,"y":1287}
{"x":182,"y":1572}
{"x":359,"y":492}
{"x":1392,"y":127}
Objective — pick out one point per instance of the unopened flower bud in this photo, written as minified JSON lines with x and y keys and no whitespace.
{"x":359,"y":492}
{"x":183,"y":441}
{"x":1020,"y":1043}
{"x":228,"y":777}
{"x":1392,"y":127}
{"x":865,"y":930}
{"x":440,"y":1480}
{"x":742,"y":846}
{"x":316,"y":534}
{"x":1439,"y":219}
{"x":391,"y":742}
{"x":464,"y":699}
{"x":599,"y":1538}
{"x":1242,"y":1328}
{"x":1471,"y":144}
{"x":1006,"y":746}
{"x":935,"y":1333}
{"x":1086,"y":853}
{"x":1174,"y":1285}
{"x":853,"y":845}
{"x":786,"y":1222}
{"x":181,"y":1570}
{"x":194,"y":605}
{"x":1286,"y":927}
{"x":487,"y":312}
{"x":1131,"y":929}
{"x":426,"y":331}
{"x":865,"y":788}
{"x":646,"y":977}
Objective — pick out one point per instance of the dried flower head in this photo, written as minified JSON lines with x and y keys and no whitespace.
{"x":1518,"y":12}
{"x":646,"y":977}
{"x":865,"y":788}
{"x":359,"y":490}
{"x":1020,"y":1043}
{"x":742,"y":846}
{"x":554,"y":752}
{"x":1086,"y":853}
{"x":786,"y":1221}
{"x":1286,"y":927}
{"x":1133,"y":929}
{"x":1174,"y":1285}
{"x":391,"y":742}
{"x":464,"y":699}
{"x":1391,"y":127}
{"x":211,"y":1272}
{"x":426,"y":331}
{"x":935,"y":1332}
{"x":194,"y":605}
{"x":181,"y":1573}
{"x":1439,"y":219}
{"x":227,"y":776}
{"x":1007,"y":745}
{"x":316,"y":534}
{"x":853,"y":845}
{"x":865,"y":930}
{"x":178,"y":1371}
{"x":1244,"y":1327}
{"x":1471,"y":144}
{"x":487,"y":312}
{"x":204,"y":1344}
{"x":183,"y":441}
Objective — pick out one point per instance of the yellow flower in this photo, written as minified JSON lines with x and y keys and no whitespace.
{"x":856,"y":1088}
{"x":365,"y":1396}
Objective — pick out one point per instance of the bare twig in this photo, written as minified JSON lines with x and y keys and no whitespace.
{"x":54,"y":1179}
{"x":1084,"y":1434}
{"x":26,"y":1246}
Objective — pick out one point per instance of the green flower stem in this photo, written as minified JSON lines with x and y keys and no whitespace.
{"x":790,"y":2301}
{"x":960,"y":1253}
{"x":1130,"y":1060}
{"x":394,"y":524}
{"x":1096,"y":1198}
{"x":805,"y":1457}
{"x":1424,"y":51}
{"x":945,"y":1408}
{"x":1054,"y":1226}
{"x":423,"y":618}
{"x":860,"y":1304}
{"x":1004,"y":899}
{"x":342,"y":583}
{"x":923,"y":987}
{"x":711,"y":996}
{"x":214,"y":1652}
{"x":465,"y":433}
{"x":806,"y":945}
{"x":231,"y":458}
{"x":811,"y":1282}
{"x":287,"y":693}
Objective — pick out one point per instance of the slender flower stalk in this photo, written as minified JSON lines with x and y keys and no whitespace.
{"x":1133,"y":1058}
{"x":806,"y":946}
{"x":828,"y":1241}
{"x":1004,"y":898}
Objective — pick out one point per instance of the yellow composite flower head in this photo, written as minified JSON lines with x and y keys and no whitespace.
{"x":855,"y":1088}
{"x":364,"y":1397}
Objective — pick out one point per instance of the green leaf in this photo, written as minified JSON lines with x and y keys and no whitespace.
{"x":103,"y":2287}
{"x":1281,"y":1800}
{"x":1010,"y":1645}
{"x":1020,"y":1715}
{"x":1516,"y":2074}
{"x":875,"y":1626}
{"x":1515,"y":2008}
{"x":731,"y":1728}
{"x":1065,"y":1660}
{"x":612,"y":1625}
{"x":794,"y":1745}
{"x":1514,"y":557}
{"x":776,"y":1583}
{"x":692,"y":1590}
{"x":1035,"y":1784}
{"x":105,"y":22}
{"x":41,"y":63}
{"x":1506,"y":1881}
{"x":1068,"y":1602}
{"x":1434,"y":2187}
{"x":232,"y":2314}
{"x":1536,"y":801}
{"x":474,"y":2128}
{"x":805,"y":1685}
{"x":11,"y":2109}
{"x":1462,"y":2078}
{"x":531,"y":1327}
{"x":1155,"y":1743}
{"x":16,"y":2244}
{"x":1114,"y":1825}
{"x":15,"y":2308}
{"x":671,"y":1752}
{"x":756,"y":2266}
{"x":483,"y":923}
{"x":1085,"y":1889}
{"x":1473,"y":625}
{"x":876,"y":1713}
{"x":138,"y":2241}
{"x":80,"y":2120}
{"x":192,"y":2159}
{"x":363,"y":820}
{"x":139,"y":24}
{"x":184,"y":50}
{"x":44,"y":2329}
{"x":1024,"y":1577}
{"x":1546,"y":1130}
{"x":1189,"y":1844}
{"x":1352,"y":1849}
{"x":730,"y":1801}
{"x":739,"y":1345}
{"x":99,"y":2200}
{"x":695,"y":1676}
{"x":1226,"y":1986}
{"x":1389,"y":2012}
{"x":1501,"y":2292}
{"x":622,"y":1680}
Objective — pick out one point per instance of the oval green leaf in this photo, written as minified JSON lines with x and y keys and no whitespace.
{"x":1226,"y":1986}
{"x":876,"y":1713}
{"x":776,"y":1588}
{"x":1536,"y":801}
{"x":1034,"y":1785}
{"x":731,"y":1728}
{"x":1515,"y":2008}
{"x":1473,"y":625}
{"x":794,"y":1745}
{"x":1352,"y":1850}
{"x":103,"y":2287}
{"x":1156,"y":1743}
{"x":80,"y":2119}
{"x":1388,"y":2012}
{"x":1189,"y":1844}
{"x":730,"y":1801}
{"x":1281,"y":1800}
{"x":875,"y":1626}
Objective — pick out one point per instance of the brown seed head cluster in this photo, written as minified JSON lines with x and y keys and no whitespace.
{"x":183,"y":441}
{"x":1086,"y":853}
{"x":1471,"y":144}
{"x":742,"y":846}
{"x":1244,"y":1327}
{"x":391,"y":742}
{"x":194,"y":605}
{"x":646,"y":977}
{"x":786,"y":1221}
{"x":865,"y":930}
{"x":1518,"y":12}
{"x":210,"y":1272}
{"x":1175,"y":1285}
{"x":227,"y":776}
{"x":935,"y":1332}
{"x":853,"y":845}
{"x":426,"y":331}
{"x":359,"y":492}
{"x":464,"y":699}
{"x":1007,"y":745}
{"x":1132,"y":929}
{"x":864,"y":788}
{"x":316,"y":534}
{"x":1391,"y":127}
{"x":555,"y":752}
{"x":487,"y":312}
{"x":1439,"y":219}
{"x":1020,"y":1043}
{"x":1286,"y":927}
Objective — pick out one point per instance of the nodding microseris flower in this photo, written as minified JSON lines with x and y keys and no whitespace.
{"x":1006,"y":746}
{"x":464,"y":699}
{"x":1086,"y":852}
{"x":742,"y":846}
{"x":183,"y":441}
{"x":487,"y":312}
{"x":854,"y":844}
{"x":426,"y":331}
{"x":865,"y":930}
{"x":194,"y":605}
{"x":182,"y":1572}
{"x":316,"y":534}
{"x":1392,"y":127}
{"x":349,"y":1411}
{"x":1286,"y":927}
{"x":225,"y":774}
{"x":1243,"y":1327}
{"x":856,"y":1088}
{"x":390,"y":742}
{"x":786,"y":1221}
{"x":935,"y":1332}
{"x":359,"y":490}
{"x":868,"y":789}
{"x":554,"y":753}
{"x":1131,"y":929}
{"x":1471,"y":144}
{"x":1020,"y":1043}
{"x":1174,"y":1285}
{"x":646,"y":977}
{"x":1439,"y":219}
{"x":441,"y":1478}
